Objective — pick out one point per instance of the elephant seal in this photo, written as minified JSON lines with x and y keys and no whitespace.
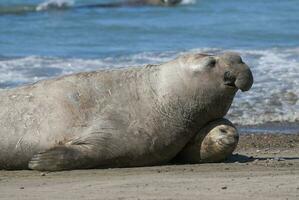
{"x":133,"y":3}
{"x":215,"y":142}
{"x":57,"y":5}
{"x":117,"y":118}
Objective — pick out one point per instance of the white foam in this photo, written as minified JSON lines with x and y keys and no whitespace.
{"x":188,"y":2}
{"x":275,"y":93}
{"x":56,"y":4}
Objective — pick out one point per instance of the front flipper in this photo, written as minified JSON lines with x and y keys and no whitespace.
{"x":90,"y":151}
{"x":63,"y":158}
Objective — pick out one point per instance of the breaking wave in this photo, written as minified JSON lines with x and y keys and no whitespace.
{"x":29,"y":8}
{"x":55,"y":4}
{"x":188,"y":2}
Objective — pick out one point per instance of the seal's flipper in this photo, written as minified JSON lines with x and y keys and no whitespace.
{"x":96,"y":149}
{"x":62,"y":158}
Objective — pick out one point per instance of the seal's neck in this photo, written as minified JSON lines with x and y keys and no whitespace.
{"x":190,"y":103}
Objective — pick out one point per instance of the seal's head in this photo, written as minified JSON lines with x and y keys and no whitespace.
{"x":204,"y":81}
{"x":214,"y":143}
{"x":226,"y":72}
{"x":219,"y":143}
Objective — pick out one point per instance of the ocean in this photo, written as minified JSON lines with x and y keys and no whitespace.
{"x":44,"y":39}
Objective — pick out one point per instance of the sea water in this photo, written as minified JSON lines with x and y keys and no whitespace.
{"x":44,"y":39}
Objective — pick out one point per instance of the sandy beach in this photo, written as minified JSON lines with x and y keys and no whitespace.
{"x":47,"y":39}
{"x":264,"y":166}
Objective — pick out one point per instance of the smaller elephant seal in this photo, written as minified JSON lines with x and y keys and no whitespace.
{"x":215,"y":142}
{"x":57,"y":5}
{"x":129,"y":117}
{"x":133,"y":3}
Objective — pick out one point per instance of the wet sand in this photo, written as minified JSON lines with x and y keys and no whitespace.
{"x":265,"y":166}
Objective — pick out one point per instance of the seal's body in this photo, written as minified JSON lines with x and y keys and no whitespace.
{"x":133,"y":3}
{"x":118,"y":118}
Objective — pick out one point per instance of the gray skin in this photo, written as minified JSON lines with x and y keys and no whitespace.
{"x":118,"y":118}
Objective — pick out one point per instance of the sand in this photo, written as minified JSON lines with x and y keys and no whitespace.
{"x":264,"y":166}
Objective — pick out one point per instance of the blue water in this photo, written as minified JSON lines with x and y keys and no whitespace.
{"x":36,"y":45}
{"x":93,"y":33}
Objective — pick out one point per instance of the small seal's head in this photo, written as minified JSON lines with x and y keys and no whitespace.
{"x":220,"y":142}
{"x":227,"y":71}
{"x":214,"y":143}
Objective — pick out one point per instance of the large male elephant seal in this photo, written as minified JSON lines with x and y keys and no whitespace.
{"x":117,"y":118}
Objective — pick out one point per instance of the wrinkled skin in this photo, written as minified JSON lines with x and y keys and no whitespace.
{"x":118,"y":118}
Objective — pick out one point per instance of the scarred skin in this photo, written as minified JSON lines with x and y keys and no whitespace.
{"x":118,"y":118}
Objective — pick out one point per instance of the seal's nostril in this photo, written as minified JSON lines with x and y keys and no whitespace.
{"x":228,"y":77}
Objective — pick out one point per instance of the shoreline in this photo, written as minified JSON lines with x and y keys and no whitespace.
{"x":270,"y":128}
{"x":264,"y":166}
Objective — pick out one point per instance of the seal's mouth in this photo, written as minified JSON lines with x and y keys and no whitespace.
{"x":230,"y":84}
{"x":227,"y":137}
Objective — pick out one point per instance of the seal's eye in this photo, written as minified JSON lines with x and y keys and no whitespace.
{"x":203,"y":64}
{"x":211,"y":62}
